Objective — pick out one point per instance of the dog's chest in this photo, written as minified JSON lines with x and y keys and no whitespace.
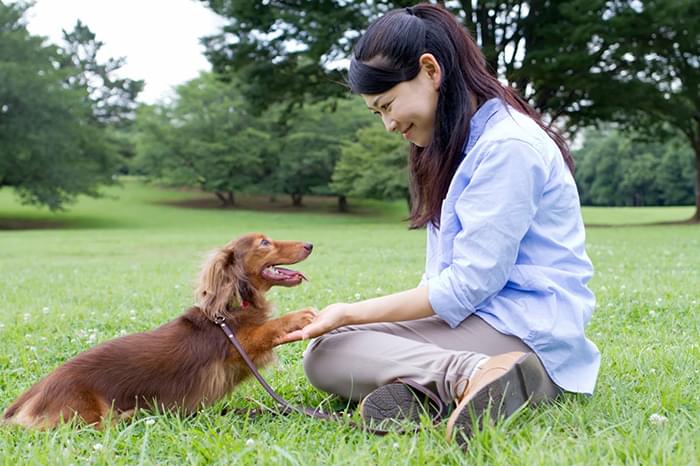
{"x":220,"y":377}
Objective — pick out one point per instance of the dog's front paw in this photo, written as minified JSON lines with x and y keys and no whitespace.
{"x":300,"y":319}
{"x":292,"y":325}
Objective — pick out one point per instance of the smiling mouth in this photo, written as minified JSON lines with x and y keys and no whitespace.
{"x":282,"y":276}
{"x":406,"y":133}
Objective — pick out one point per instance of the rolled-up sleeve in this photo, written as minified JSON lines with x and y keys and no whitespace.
{"x":495,"y":210}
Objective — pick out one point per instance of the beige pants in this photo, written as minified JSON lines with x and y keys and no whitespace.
{"x":352,"y":361}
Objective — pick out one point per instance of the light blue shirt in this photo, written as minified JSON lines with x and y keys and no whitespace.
{"x":510,"y":247}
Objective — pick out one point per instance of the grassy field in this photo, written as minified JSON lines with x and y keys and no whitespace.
{"x":126,"y":263}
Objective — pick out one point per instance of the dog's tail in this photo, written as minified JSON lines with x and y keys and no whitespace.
{"x":18,"y":413}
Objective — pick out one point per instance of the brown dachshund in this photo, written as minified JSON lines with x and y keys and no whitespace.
{"x":186,"y":363}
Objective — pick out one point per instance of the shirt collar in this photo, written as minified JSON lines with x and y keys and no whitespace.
{"x":479,"y":120}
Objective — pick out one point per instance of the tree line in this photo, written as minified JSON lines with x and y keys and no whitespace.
{"x":210,"y":138}
{"x":273,"y":117}
{"x":618,"y":169}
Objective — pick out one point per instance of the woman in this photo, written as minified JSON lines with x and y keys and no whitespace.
{"x":499,"y":316}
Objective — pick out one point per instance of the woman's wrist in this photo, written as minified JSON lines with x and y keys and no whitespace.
{"x":352,"y":314}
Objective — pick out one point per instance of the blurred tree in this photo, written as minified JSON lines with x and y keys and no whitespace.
{"x":638,"y":65}
{"x":374,"y":165}
{"x":204,"y":138}
{"x":113,"y":99}
{"x":52,"y":147}
{"x":308,"y":143}
{"x":616,"y":169}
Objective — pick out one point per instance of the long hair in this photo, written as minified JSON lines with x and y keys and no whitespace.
{"x":388,"y":54}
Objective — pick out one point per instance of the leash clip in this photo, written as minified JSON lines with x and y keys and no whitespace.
{"x":219,"y":319}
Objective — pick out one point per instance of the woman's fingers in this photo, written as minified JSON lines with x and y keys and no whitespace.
{"x":296,"y":335}
{"x":325,"y":321}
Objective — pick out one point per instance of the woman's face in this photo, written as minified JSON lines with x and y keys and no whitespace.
{"x":409,"y":107}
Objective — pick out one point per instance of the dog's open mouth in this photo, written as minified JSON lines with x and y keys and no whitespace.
{"x":282,"y":276}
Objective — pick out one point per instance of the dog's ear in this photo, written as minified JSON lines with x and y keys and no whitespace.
{"x":219,"y":283}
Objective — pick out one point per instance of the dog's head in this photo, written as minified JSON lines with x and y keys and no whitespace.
{"x":239,"y":274}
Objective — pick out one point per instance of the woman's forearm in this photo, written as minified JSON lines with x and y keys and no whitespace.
{"x":405,"y":305}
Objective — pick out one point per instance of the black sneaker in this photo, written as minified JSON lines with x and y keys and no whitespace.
{"x":398,"y":402}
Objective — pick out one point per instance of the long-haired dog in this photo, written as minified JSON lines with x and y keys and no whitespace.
{"x":186,"y":363}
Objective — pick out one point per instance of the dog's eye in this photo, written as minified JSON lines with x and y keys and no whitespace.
{"x":264,"y":242}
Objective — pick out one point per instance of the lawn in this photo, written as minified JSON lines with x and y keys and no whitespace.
{"x":126,"y":263}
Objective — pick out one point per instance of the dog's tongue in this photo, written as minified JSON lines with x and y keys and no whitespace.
{"x":290,"y":273}
{"x":285,"y":274}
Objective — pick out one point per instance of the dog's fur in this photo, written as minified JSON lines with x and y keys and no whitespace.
{"x":186,"y":363}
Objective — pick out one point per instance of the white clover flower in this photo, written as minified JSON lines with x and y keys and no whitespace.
{"x":45,"y":310}
{"x":657,"y":419}
{"x":250,"y":442}
{"x":98,"y":447}
{"x":150,"y":422}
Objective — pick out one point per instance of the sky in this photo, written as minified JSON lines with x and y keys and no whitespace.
{"x":158,"y":38}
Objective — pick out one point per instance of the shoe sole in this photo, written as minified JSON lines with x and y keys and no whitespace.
{"x":394,"y":401}
{"x":500,"y":398}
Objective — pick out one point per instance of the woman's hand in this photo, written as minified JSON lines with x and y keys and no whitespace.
{"x":330,"y":318}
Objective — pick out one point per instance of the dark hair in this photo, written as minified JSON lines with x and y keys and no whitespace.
{"x":388,"y":54}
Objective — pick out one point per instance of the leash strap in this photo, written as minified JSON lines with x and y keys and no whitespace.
{"x":287,"y":408}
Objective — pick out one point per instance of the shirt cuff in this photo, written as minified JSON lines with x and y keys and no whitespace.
{"x":445,"y":303}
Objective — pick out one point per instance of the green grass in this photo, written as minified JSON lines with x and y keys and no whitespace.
{"x":126,"y":263}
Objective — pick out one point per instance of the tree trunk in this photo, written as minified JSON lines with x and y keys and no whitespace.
{"x":486,"y":28}
{"x":342,"y":203}
{"x":296,"y":199}
{"x":226,"y":198}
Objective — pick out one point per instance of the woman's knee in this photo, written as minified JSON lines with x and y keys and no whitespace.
{"x":318,"y":361}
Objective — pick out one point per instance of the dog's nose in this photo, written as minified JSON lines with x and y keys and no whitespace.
{"x":308,"y":246}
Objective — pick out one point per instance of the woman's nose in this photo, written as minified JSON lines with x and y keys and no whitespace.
{"x":390,"y":125}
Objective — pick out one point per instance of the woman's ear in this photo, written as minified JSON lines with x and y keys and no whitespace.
{"x":431,"y":67}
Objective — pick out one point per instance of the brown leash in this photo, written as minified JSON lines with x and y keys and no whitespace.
{"x":286,"y":407}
